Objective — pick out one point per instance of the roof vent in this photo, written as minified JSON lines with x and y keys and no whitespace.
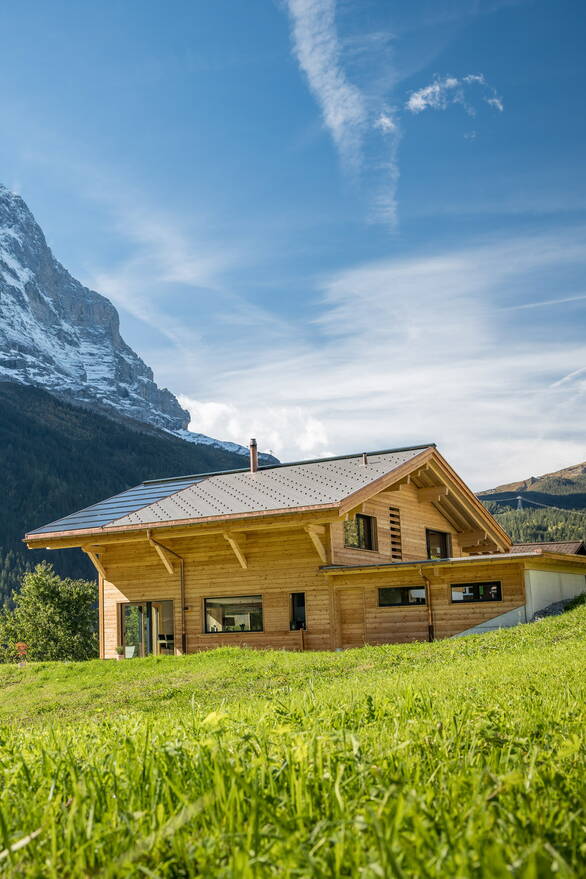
{"x":365,"y":459}
{"x":253,"y":456}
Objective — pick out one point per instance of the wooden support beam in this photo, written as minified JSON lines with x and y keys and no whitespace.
{"x":237,"y":544}
{"x":95,"y":560}
{"x":433,"y":493}
{"x":350,"y":514}
{"x":472,"y":538}
{"x":161,"y":552}
{"x":316,"y":533}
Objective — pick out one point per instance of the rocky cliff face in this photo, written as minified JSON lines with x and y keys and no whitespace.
{"x":57,"y":334}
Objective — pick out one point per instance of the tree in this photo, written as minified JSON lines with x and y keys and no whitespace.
{"x":56,"y":618}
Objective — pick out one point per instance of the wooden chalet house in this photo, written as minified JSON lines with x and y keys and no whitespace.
{"x":326,"y":554}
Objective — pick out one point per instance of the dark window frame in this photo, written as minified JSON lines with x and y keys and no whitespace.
{"x":475,"y":600}
{"x":448,"y":539}
{"x":372,"y":531}
{"x":297,"y":624}
{"x":403,"y":590}
{"x":205,"y":600}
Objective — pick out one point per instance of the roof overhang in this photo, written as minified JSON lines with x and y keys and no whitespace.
{"x":527,"y":559}
{"x":177,"y":528}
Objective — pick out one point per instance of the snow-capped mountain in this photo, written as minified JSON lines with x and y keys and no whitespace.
{"x":61,"y":336}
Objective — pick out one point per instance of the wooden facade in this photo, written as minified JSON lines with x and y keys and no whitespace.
{"x":274,"y":556}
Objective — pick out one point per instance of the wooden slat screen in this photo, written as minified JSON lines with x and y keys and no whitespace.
{"x":395,"y":529}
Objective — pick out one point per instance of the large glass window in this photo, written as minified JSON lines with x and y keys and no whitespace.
{"x":360,"y":532}
{"x":438,"y":545}
{"x":147,"y":628}
{"x":235,"y":613}
{"x":462,"y":592}
{"x":390,"y":596}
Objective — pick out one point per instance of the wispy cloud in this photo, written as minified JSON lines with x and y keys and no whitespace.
{"x":418,"y":349}
{"x":447,"y":90}
{"x":318,"y":52}
{"x":351,"y":114}
{"x":364,"y":130}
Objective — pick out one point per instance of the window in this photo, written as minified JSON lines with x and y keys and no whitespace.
{"x":395,"y":529}
{"x":462,"y":592}
{"x":242,"y":613}
{"x":298,"y":610}
{"x":438,"y":545}
{"x":393,"y":595}
{"x":147,"y":628}
{"x":360,"y":533}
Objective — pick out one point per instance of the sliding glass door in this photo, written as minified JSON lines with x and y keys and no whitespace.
{"x":147,"y":629}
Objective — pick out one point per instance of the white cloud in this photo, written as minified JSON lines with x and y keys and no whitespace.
{"x":350,"y":113}
{"x":318,"y":52}
{"x":414,"y":350}
{"x":386,"y":123}
{"x":443,"y":92}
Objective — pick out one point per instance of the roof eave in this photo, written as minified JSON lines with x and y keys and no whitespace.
{"x":41,"y":539}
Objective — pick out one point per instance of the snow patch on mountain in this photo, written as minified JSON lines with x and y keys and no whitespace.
{"x":61,"y":336}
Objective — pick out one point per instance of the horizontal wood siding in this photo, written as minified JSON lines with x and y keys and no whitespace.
{"x":279,"y":563}
{"x":416,"y":517}
{"x":384,"y":625}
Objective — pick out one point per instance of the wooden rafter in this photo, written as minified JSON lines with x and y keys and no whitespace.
{"x":433,"y":493}
{"x":316,"y":534}
{"x":472,"y":538}
{"x":95,"y":560}
{"x":162,"y":552}
{"x":351,"y":514}
{"x":237,"y":544}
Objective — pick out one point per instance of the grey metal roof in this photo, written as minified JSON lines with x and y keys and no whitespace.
{"x":320,"y":482}
{"x":106,"y":511}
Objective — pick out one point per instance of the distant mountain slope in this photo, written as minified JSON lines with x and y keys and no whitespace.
{"x":57,"y":334}
{"x":57,"y":458}
{"x":565,"y":489}
{"x":61,"y":336}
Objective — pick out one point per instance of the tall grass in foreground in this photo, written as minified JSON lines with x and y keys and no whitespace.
{"x":461,"y":759}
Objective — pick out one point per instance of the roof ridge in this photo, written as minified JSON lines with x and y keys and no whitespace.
{"x":290,"y":463}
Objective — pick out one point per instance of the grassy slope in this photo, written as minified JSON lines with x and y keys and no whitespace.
{"x":460,"y":758}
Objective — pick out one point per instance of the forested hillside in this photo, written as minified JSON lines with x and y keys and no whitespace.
{"x":538,"y":524}
{"x":553,"y":506}
{"x":57,"y":458}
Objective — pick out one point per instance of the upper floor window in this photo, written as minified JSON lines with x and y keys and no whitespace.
{"x":391,"y":596}
{"x":438,"y":544}
{"x":360,"y":532}
{"x":477,"y":591}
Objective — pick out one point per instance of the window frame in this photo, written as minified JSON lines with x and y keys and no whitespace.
{"x":292,"y":620}
{"x":205,"y":599}
{"x":404,"y":603}
{"x":464,"y":601}
{"x":448,"y":538}
{"x":373,"y":534}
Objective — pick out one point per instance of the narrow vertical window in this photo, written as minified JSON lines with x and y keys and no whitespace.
{"x":395,"y":529}
{"x":298,"y":610}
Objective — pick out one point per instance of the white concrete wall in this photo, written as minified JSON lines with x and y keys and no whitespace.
{"x":544,"y":587}
{"x":502,"y":621}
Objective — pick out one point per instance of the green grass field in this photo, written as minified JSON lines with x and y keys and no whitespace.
{"x":462,"y":758}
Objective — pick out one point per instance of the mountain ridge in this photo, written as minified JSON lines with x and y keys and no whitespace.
{"x":57,"y":334}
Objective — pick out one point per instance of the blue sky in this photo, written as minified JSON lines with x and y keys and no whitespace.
{"x":332,"y":225}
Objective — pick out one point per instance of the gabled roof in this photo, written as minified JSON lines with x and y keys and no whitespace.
{"x":304,"y":485}
{"x":569,"y":547}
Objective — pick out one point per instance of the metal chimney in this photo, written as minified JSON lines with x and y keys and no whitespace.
{"x":253,"y":456}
